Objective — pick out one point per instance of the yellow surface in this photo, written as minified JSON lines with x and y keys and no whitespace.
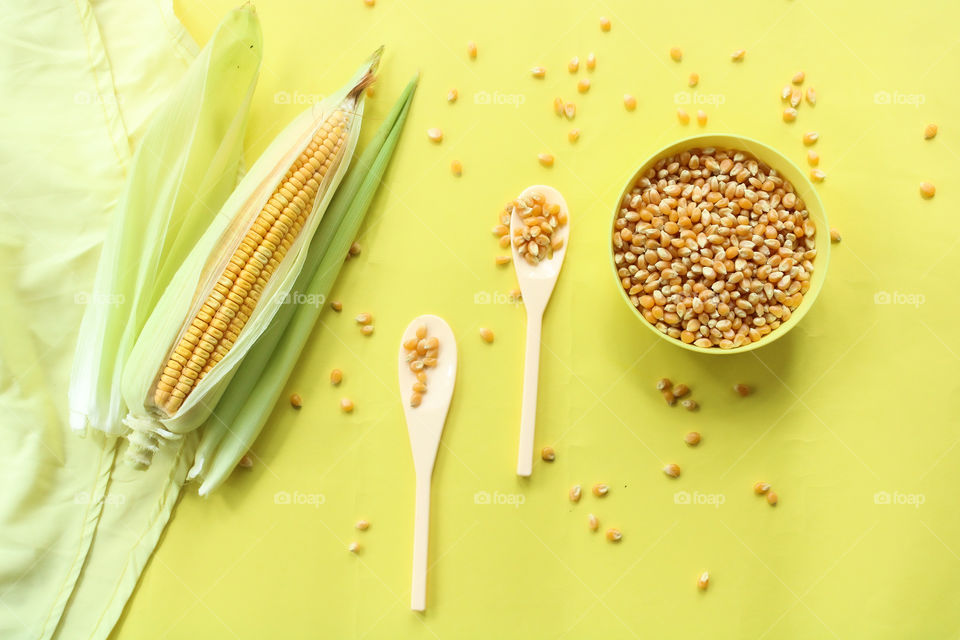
{"x":860,"y":399}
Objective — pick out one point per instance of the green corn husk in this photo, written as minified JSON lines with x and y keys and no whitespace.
{"x":183,"y":171}
{"x":248,"y":402}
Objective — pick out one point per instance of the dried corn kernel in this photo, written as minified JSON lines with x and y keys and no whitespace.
{"x":604,"y":23}
{"x":452,"y":95}
{"x":583,"y":85}
{"x":336,"y":377}
{"x":689,"y":404}
{"x":703,"y":581}
{"x":538,"y":72}
{"x":545,"y":159}
{"x":614,"y":535}
{"x":693,"y":80}
{"x":296,"y":401}
{"x":672,"y":470}
{"x":676,"y":54}
{"x":575,"y":493}
{"x":813,"y":158}
{"x":591,"y":61}
{"x":810,"y":137}
{"x":486,"y":335}
{"x":663,"y":384}
{"x":773,"y":498}
{"x":817,"y":175}
{"x":548,"y":454}
{"x":680,"y":390}
{"x":742,"y":390}
{"x":930,"y":131}
{"x":927,"y":190}
{"x":472,"y":49}
{"x":456,"y":168}
{"x":574,"y":65}
{"x":600,"y":489}
{"x":834,"y":235}
{"x":435,"y":135}
{"x":346,"y":405}
{"x":811,"y":97}
{"x":337,"y":306}
{"x":629,"y":102}
{"x":246,"y":462}
{"x":364,"y":318}
{"x":738,"y":55}
{"x":692,"y":438}
{"x":761,"y":488}
{"x":798,"y":77}
{"x":592,"y":523}
{"x":573,"y":135}
{"x":362,"y":525}
{"x":701,"y":117}
{"x":354,"y":547}
{"x":789,"y":114}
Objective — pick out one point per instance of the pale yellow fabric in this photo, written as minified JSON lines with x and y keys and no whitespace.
{"x":80,"y":80}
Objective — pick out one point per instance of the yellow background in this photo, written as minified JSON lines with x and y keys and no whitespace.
{"x":859,"y":398}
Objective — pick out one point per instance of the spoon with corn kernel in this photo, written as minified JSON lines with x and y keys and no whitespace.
{"x":539,"y":212}
{"x":427,"y":372}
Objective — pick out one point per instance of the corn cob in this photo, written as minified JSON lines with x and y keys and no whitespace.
{"x":217,"y":324}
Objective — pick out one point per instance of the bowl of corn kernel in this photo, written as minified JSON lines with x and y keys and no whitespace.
{"x":719,"y":244}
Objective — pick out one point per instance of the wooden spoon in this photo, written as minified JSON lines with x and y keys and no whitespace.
{"x":536,"y":285}
{"x":424,"y":425}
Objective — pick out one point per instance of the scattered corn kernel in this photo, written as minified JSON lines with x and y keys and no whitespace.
{"x":367,"y":329}
{"x":575,"y":493}
{"x":472,"y":49}
{"x":604,"y":23}
{"x":761,"y":488}
{"x":486,"y":335}
{"x":680,"y":390}
{"x":573,"y":135}
{"x":703,"y":581}
{"x":591,"y":61}
{"x":569,"y":111}
{"x":813,"y":158}
{"x":701,"y":117}
{"x":693,"y":80}
{"x":538,"y":72}
{"x":336,"y":377}
{"x":574,"y":65}
{"x":435,"y":134}
{"x":362,"y":525}
{"x":742,"y":390}
{"x":558,"y":106}
{"x":810,"y":137}
{"x":927,"y":190}
{"x":614,"y":535}
{"x":583,"y":85}
{"x":929,"y":131}
{"x":789,"y":114}
{"x":834,"y":235}
{"x":346,"y":405}
{"x":682,"y":116}
{"x":364,"y":318}
{"x":546,"y":159}
{"x":548,"y":454}
{"x":672,"y":470}
{"x":738,"y":55}
{"x":817,"y":175}
{"x":668,"y":397}
{"x":456,"y":168}
{"x":692,"y":438}
{"x":452,"y":95}
{"x":354,"y":547}
{"x":246,"y":462}
{"x":337,"y":306}
{"x":592,"y":523}
{"x":601,"y":489}
{"x":629,"y":102}
{"x":785,"y":92}
{"x":798,"y":77}
{"x":796,"y":96}
{"x":415,"y":399}
{"x":811,"y":96}
{"x":502,"y":260}
{"x":689,"y":404}
{"x":663,"y":384}
{"x":773,"y":498}
{"x":296,"y":401}
{"x":676,"y":54}
{"x":355,"y":250}
{"x":369,"y":3}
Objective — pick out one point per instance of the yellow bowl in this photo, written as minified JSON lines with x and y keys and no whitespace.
{"x":803,"y":188}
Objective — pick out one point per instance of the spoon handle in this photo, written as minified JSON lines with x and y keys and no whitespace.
{"x":421,"y":535}
{"x":528,"y":411}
